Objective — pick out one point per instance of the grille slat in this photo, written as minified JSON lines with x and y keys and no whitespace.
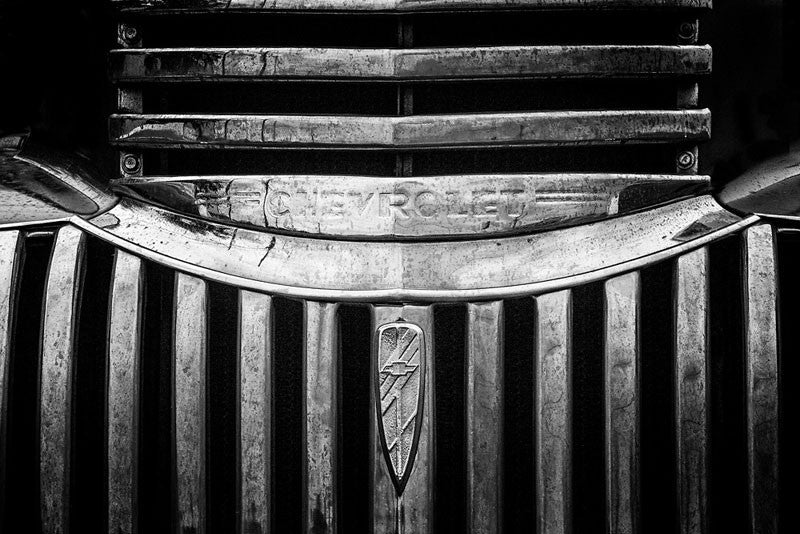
{"x":251,"y":64}
{"x":691,"y":389}
{"x":484,"y":412}
{"x":553,"y":412}
{"x":124,"y":364}
{"x":622,"y":377}
{"x":321,"y":407}
{"x":190,"y":390}
{"x":255,"y":385}
{"x":62,"y":298}
{"x":416,"y":131}
{"x":761,"y":376}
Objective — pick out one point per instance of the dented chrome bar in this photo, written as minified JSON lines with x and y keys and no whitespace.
{"x":249,"y":64}
{"x":417,"y":131}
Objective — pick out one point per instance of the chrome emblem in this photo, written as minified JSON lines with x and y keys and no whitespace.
{"x":401,"y":376}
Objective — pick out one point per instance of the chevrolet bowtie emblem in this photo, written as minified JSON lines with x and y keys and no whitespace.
{"x":401,"y":375}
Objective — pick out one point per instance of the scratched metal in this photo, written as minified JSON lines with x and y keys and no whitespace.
{"x":413,"y":511}
{"x":691,"y":389}
{"x":321,"y":408}
{"x":622,"y":402}
{"x":411,"y":207}
{"x":761,"y":372}
{"x":191,"y":346}
{"x":255,"y":411}
{"x":484,"y":405}
{"x":124,"y":364}
{"x":553,"y":405}
{"x":61,"y":302}
{"x":415,"y":131}
{"x":398,"y":5}
{"x":220,"y":64}
{"x":10,"y":262}
{"x":431,"y":271}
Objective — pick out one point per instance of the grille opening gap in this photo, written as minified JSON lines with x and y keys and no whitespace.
{"x":289,"y":417}
{"x":223,"y":307}
{"x":156,"y":498}
{"x":22,"y":460}
{"x":789,"y":343}
{"x":88,"y":485}
{"x":544,"y":95}
{"x":659,"y":492}
{"x":654,"y":159}
{"x":450,"y":413}
{"x":268,"y":29}
{"x":728,"y":462}
{"x":588,"y":417}
{"x":519,"y":497}
{"x":356,"y":400}
{"x":546,"y":28}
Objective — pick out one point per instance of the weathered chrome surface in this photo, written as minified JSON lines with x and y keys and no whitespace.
{"x":413,"y":131}
{"x":38,"y":185}
{"x":189,"y":373}
{"x":761,"y":376}
{"x":691,"y":389}
{"x":412,"y":510}
{"x":124,"y":365}
{"x":427,"y":206}
{"x":59,"y":328}
{"x":622,"y":371}
{"x":398,"y":5}
{"x":484,"y":424}
{"x":440,"y":271}
{"x":248,"y":64}
{"x":553,"y":418}
{"x":10,"y":263}
{"x":321,"y":407}
{"x":255,"y":441}
{"x":768,"y":189}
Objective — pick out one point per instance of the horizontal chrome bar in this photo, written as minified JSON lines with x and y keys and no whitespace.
{"x":481,"y":269}
{"x":249,"y":64}
{"x":422,"y":207}
{"x":405,"y":6}
{"x":418,"y":131}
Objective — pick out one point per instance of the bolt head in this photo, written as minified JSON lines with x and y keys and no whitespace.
{"x":130,"y":33}
{"x":688,"y":30}
{"x":686,"y":160}
{"x":131,"y":164}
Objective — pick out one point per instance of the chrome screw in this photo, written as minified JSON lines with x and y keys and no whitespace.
{"x":686,"y":160}
{"x":131,"y":164}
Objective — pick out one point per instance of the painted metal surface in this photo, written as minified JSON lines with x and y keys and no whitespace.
{"x":692,"y":403}
{"x":553,"y":417}
{"x":124,"y":375}
{"x":761,"y":377}
{"x":418,"y":207}
{"x":414,"y":131}
{"x":439,"y":271}
{"x":251,"y":64}
{"x":406,"y":508}
{"x":59,"y":330}
{"x":622,"y":410}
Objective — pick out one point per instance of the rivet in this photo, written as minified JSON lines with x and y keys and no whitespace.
{"x":686,"y":160}
{"x":130,"y":34}
{"x":687,"y":31}
{"x":131,"y":164}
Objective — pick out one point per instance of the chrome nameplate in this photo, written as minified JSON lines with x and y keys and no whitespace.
{"x":431,"y":206}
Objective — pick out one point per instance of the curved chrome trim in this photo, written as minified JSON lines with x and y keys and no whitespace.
{"x":402,"y":271}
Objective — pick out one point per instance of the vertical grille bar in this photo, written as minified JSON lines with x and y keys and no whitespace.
{"x":691,"y":389}
{"x":10,"y":261}
{"x":414,"y":511}
{"x":553,"y":412}
{"x":255,"y":411}
{"x":484,"y":404}
{"x":58,"y":352}
{"x":190,"y":351}
{"x":761,"y":372}
{"x":320,"y":399}
{"x":124,"y":353}
{"x":622,"y":402}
